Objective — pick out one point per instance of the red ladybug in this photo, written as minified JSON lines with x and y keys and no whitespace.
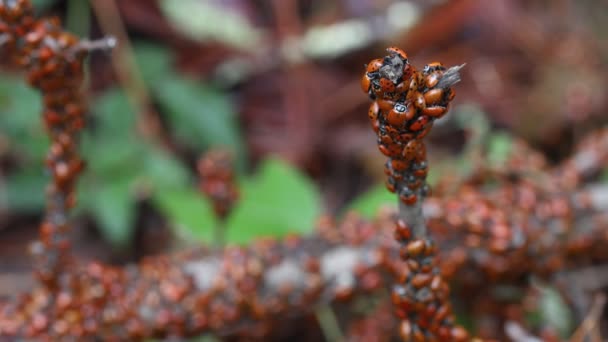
{"x":393,"y":50}
{"x":400,"y":113}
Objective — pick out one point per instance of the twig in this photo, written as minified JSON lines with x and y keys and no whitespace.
{"x":590,"y":323}
{"x":127,"y":71}
{"x":329,"y":323}
{"x":103,"y":44}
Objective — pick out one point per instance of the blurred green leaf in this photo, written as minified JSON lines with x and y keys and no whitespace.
{"x":113,"y":207}
{"x":554,"y":310}
{"x":499,"y":147}
{"x":112,"y":145}
{"x":20,"y":109}
{"x":162,"y":170}
{"x":200,"y":115}
{"x":211,"y":22}
{"x":154,"y":62}
{"x":78,"y":17}
{"x":110,"y":158}
{"x":40,"y":5}
{"x":113,"y":116}
{"x":120,"y":158}
{"x":20,"y":123}
{"x":276,"y":201}
{"x":24,"y":190}
{"x":367,"y":204}
{"x":188,"y":211}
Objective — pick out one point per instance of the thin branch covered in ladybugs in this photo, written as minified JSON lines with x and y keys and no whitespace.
{"x":53,"y":60}
{"x":217,"y":180}
{"x":406,"y":103}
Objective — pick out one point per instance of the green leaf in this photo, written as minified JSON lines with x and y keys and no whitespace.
{"x":113,"y":206}
{"x":554,"y":310}
{"x":112,"y":158}
{"x":120,"y":160}
{"x":113,"y":116}
{"x":78,"y":17}
{"x":20,"y":118}
{"x":211,"y":22}
{"x":25,"y":190}
{"x":189,"y":212}
{"x":112,"y":145}
{"x":277,"y":201}
{"x":367,"y":204}
{"x":163,"y":170}
{"x":200,"y":115}
{"x":40,"y":5}
{"x":499,"y":148}
{"x":154,"y":62}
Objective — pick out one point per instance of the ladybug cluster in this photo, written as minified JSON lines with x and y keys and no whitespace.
{"x":217,"y":180}
{"x":54,"y":63}
{"x":421,"y":296}
{"x":406,"y":103}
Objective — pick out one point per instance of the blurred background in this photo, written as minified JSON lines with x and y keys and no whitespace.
{"x":276,"y":83}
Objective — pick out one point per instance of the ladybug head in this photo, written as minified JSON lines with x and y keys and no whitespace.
{"x":435,"y":66}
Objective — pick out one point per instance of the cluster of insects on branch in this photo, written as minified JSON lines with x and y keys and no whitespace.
{"x":405,"y":104}
{"x":53,"y":60}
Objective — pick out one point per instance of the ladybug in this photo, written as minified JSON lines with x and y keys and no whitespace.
{"x":373,"y":66}
{"x":406,"y":136}
{"x":372,"y":113}
{"x":421,"y":152}
{"x":418,"y":99}
{"x":366,"y":83}
{"x":390,"y":150}
{"x":433,"y":96}
{"x":386,"y":85}
{"x":392,"y":132}
{"x":393,"y":50}
{"x":420,"y":169}
{"x":435,"y":66}
{"x":413,"y":182}
{"x":432,"y":80}
{"x":407,"y":196}
{"x":402,"y":87}
{"x":432,"y":74}
{"x":435,"y":111}
{"x":419,"y":124}
{"x":411,"y":149}
{"x":399,"y":165}
{"x":426,"y":130}
{"x":385,"y":104}
{"x":385,"y":139}
{"x":399,"y":114}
